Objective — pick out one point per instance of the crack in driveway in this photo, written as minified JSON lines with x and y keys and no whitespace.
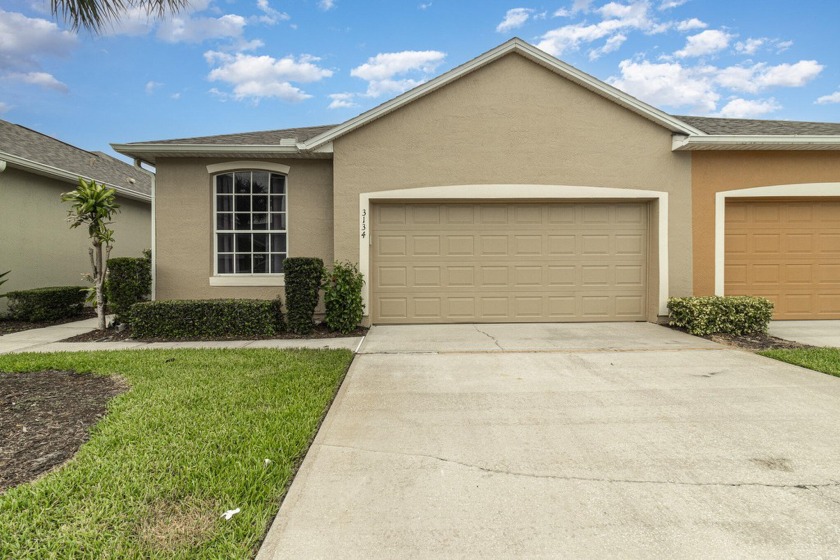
{"x":491,"y":337}
{"x":802,"y":486}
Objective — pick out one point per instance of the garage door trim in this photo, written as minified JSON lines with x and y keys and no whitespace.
{"x":801,"y":190}
{"x":513,"y":192}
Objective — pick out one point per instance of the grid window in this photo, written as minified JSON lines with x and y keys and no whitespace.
{"x":251,"y":236}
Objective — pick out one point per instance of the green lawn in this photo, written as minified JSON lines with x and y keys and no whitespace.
{"x":826,"y":360}
{"x":187,"y":442}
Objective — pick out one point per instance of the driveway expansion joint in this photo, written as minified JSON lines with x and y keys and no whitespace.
{"x":801,"y":486}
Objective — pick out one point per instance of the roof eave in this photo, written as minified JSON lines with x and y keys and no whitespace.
{"x":529,"y":51}
{"x":150,"y":151}
{"x":755,"y":142}
{"x":69,"y":176}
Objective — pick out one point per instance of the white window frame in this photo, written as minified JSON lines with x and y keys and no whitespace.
{"x":266,"y":279}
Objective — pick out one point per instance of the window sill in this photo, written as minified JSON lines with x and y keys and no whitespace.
{"x":252,"y":281}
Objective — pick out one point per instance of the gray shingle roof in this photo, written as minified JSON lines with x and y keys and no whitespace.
{"x":259,"y":138}
{"x":25,"y":143}
{"x":755,"y":127}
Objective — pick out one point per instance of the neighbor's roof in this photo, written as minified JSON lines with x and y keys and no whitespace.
{"x":24,"y":148}
{"x":747,"y":127}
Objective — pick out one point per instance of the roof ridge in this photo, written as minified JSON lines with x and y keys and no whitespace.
{"x":753,"y":120}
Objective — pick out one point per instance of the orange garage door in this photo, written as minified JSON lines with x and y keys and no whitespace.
{"x":787,"y":251}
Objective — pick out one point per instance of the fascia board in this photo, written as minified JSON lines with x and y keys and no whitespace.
{"x":739,"y":142}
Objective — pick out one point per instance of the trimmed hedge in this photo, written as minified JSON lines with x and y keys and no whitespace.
{"x":721,"y":314}
{"x":303,"y":281}
{"x":343,"y":297}
{"x":129,"y":282}
{"x":215,"y":318}
{"x":47,"y":304}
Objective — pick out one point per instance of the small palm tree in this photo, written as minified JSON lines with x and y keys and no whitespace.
{"x":4,"y":280}
{"x":94,"y":204}
{"x":93,"y":14}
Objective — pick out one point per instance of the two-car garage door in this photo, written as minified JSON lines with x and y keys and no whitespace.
{"x":509,"y":262}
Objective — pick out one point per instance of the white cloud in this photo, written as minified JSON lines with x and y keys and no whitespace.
{"x":750,"y":46}
{"x":151,"y":86}
{"x":23,"y":40}
{"x":326,"y":5}
{"x":381,"y":71}
{"x":4,"y":107}
{"x":425,"y":6}
{"x":40,"y":79}
{"x":670,"y":4}
{"x":690,"y":24}
{"x":186,"y":29}
{"x":668,"y":84}
{"x":705,"y":42}
{"x":270,"y":15}
{"x":255,"y":77}
{"x":342,"y":101}
{"x":514,"y":18}
{"x":749,"y":108}
{"x":616,"y":19}
{"x":760,"y":76}
{"x":134,"y":22}
{"x":581,"y":6}
{"x":830,"y":98}
{"x":782,"y":46}
{"x":612,"y":44}
{"x":175,"y":96}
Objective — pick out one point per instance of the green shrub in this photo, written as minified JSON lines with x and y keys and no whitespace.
{"x":215,"y":318}
{"x":47,"y":304}
{"x":129,"y":282}
{"x":343,"y":297}
{"x":721,"y":314}
{"x":303,"y":281}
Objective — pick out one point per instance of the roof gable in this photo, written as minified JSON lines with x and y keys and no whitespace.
{"x":530,"y":52}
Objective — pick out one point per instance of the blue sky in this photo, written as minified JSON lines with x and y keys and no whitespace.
{"x":235,"y":65}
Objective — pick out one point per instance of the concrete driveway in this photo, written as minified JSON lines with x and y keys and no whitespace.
{"x":815,"y":333}
{"x":574,"y":441}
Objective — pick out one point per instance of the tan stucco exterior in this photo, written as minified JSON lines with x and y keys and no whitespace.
{"x":184,"y":225}
{"x":513,"y":122}
{"x":714,"y":172}
{"x":36,"y":242}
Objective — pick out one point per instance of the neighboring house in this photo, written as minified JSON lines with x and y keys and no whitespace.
{"x":512,"y":188}
{"x":36,"y":242}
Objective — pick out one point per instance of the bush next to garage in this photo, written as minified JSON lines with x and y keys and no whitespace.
{"x":736,"y":315}
{"x":47,"y":304}
{"x":303,"y":282}
{"x":343,"y":297}
{"x":129,"y":282}
{"x":215,"y":318}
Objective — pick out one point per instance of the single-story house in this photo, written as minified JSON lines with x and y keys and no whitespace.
{"x":513,"y":188}
{"x":36,"y":242}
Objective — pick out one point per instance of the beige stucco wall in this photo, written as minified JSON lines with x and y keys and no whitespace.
{"x":36,"y":241}
{"x":715,"y":172}
{"x":513,"y":122}
{"x":184,"y":224}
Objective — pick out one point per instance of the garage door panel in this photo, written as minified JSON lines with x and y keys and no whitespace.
{"x":787,"y":251}
{"x":510,"y":262}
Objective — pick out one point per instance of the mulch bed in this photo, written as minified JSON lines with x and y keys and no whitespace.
{"x":45,"y":417}
{"x":112,"y":335}
{"x":755,"y":342}
{"x":8,"y":326}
